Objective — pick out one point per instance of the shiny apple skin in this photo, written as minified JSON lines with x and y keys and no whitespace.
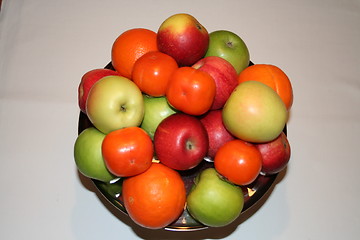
{"x":88,"y":156}
{"x":182,"y":37}
{"x":217,"y":133}
{"x":181,"y":141}
{"x":213,"y":201}
{"x":224,"y":75}
{"x":231,"y":47}
{"x":156,"y":110}
{"x":275,"y":154}
{"x":88,"y":80}
{"x":255,"y":113}
{"x":115,"y":102}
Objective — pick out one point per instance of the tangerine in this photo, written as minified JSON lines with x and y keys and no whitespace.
{"x":127,"y":151}
{"x":152,"y":72}
{"x":130,"y":46}
{"x":272,"y":76}
{"x":155,"y":198}
{"x":191,"y":91}
{"x":238,"y":161}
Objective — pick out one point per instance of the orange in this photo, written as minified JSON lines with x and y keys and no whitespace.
{"x":191,"y":91}
{"x":130,"y":46}
{"x":272,"y":76}
{"x":152,"y":71}
{"x":155,"y":198}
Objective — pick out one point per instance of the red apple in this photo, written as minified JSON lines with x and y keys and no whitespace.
{"x":224,"y":75}
{"x":275,"y":154}
{"x":217,"y":133}
{"x":184,"y":38}
{"x":87,"y":81}
{"x":181,"y":141}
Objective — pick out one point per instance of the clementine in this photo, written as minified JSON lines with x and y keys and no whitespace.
{"x":154,"y":198}
{"x":152,"y":72}
{"x":272,"y":76}
{"x":191,"y":91}
{"x":127,"y":151}
{"x":130,"y":46}
{"x":238,"y":161}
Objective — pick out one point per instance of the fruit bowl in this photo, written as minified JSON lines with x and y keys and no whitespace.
{"x":112,"y":190}
{"x":188,"y":126}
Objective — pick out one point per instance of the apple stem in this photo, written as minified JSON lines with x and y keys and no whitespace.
{"x":230,"y":44}
{"x":122,"y":108}
{"x":189,"y":145}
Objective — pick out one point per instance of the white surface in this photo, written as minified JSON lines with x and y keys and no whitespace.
{"x":46,"y":46}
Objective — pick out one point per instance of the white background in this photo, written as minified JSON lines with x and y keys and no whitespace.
{"x":47,"y":45}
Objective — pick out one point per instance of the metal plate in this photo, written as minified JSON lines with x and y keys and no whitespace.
{"x":112,"y":191}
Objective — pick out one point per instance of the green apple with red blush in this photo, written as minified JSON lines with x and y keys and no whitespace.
{"x":183,"y":37}
{"x":88,"y":80}
{"x":254,"y":112}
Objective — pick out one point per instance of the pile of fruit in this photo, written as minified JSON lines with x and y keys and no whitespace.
{"x":172,"y":100}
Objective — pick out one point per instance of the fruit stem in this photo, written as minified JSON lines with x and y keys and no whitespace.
{"x":230,"y":44}
{"x":189,"y":145}
{"x":122,"y":108}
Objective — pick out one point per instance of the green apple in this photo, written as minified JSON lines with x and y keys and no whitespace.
{"x":156,"y":110}
{"x":229,"y":46}
{"x":254,"y":112}
{"x":88,"y":156}
{"x":115,"y":102}
{"x":213,"y":201}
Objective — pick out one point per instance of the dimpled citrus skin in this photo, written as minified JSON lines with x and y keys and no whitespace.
{"x":272,"y":76}
{"x":130,"y":46}
{"x":155,"y":198}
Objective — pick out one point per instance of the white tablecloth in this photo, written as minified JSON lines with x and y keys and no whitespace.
{"x":47,"y":45}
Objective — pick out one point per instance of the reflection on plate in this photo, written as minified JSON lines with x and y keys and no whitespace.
{"x":112,"y":191}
